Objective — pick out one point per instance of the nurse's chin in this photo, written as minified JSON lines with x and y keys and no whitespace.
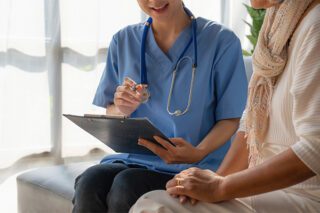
{"x":160,"y":10}
{"x":159,"y":14}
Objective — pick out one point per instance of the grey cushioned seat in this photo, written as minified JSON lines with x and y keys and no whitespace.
{"x":48,"y":189}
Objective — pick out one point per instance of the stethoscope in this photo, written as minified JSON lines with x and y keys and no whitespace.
{"x":143,"y":74}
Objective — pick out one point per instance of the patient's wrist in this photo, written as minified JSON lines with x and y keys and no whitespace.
{"x":218,"y":188}
{"x":223,"y":190}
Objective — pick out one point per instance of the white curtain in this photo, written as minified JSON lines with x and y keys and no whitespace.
{"x":24,"y":91}
{"x":86,"y":29}
{"x":209,"y":9}
{"x":52,"y":54}
{"x":230,"y":13}
{"x":234,"y":15}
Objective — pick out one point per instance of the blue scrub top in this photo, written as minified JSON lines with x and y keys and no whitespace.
{"x":219,"y":91}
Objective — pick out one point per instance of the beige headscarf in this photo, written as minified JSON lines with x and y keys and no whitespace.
{"x":269,"y":61}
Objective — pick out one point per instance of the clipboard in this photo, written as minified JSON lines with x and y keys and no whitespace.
{"x":119,"y":133}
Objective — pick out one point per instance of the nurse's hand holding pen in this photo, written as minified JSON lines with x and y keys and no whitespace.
{"x":126,"y":99}
{"x":182,"y":152}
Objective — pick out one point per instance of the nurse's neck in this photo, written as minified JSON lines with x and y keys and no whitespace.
{"x":167,"y":31}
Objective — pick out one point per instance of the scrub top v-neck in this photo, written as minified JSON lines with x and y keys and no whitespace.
{"x":219,"y":90}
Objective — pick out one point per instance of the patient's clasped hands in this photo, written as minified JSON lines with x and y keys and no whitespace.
{"x":195,"y":184}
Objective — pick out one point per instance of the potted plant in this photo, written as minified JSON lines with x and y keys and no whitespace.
{"x":257,"y":16}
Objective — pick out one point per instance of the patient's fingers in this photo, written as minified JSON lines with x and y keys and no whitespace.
{"x":183,"y":199}
{"x":177,"y":180}
{"x":193,"y":201}
{"x":177,"y":190}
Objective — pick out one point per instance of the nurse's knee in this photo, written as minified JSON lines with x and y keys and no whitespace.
{"x":125,"y":190}
{"x":122,"y":189}
{"x":90,"y":182}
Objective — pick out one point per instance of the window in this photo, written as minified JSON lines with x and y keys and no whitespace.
{"x":52,"y":54}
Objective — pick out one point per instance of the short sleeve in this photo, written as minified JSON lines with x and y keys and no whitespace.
{"x":230,"y":82}
{"x":306,"y":100}
{"x":242,"y":125}
{"x":109,"y":80}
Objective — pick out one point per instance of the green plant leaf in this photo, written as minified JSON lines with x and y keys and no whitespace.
{"x":246,"y":53}
{"x":257,"y":16}
{"x":252,"y":39}
{"x":256,"y":26}
{"x":250,"y":25}
{"x":262,"y":12}
{"x":252,"y":12}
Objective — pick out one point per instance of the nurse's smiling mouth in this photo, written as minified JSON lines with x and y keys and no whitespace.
{"x":160,"y":9}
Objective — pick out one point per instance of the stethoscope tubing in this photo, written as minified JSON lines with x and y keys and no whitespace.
{"x":143,"y":73}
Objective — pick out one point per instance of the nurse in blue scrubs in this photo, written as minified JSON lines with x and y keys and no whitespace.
{"x":198,"y":110}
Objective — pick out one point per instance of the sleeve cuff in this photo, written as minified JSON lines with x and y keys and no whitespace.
{"x":309,"y":153}
{"x":101,"y":102}
{"x":242,"y":126}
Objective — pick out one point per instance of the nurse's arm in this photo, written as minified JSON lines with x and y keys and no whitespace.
{"x":218,"y":136}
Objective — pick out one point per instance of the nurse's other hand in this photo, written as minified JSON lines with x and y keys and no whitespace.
{"x":197,"y":184}
{"x":125,"y":99}
{"x":182,"y":152}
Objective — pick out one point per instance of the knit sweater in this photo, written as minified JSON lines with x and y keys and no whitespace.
{"x":295,"y":107}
